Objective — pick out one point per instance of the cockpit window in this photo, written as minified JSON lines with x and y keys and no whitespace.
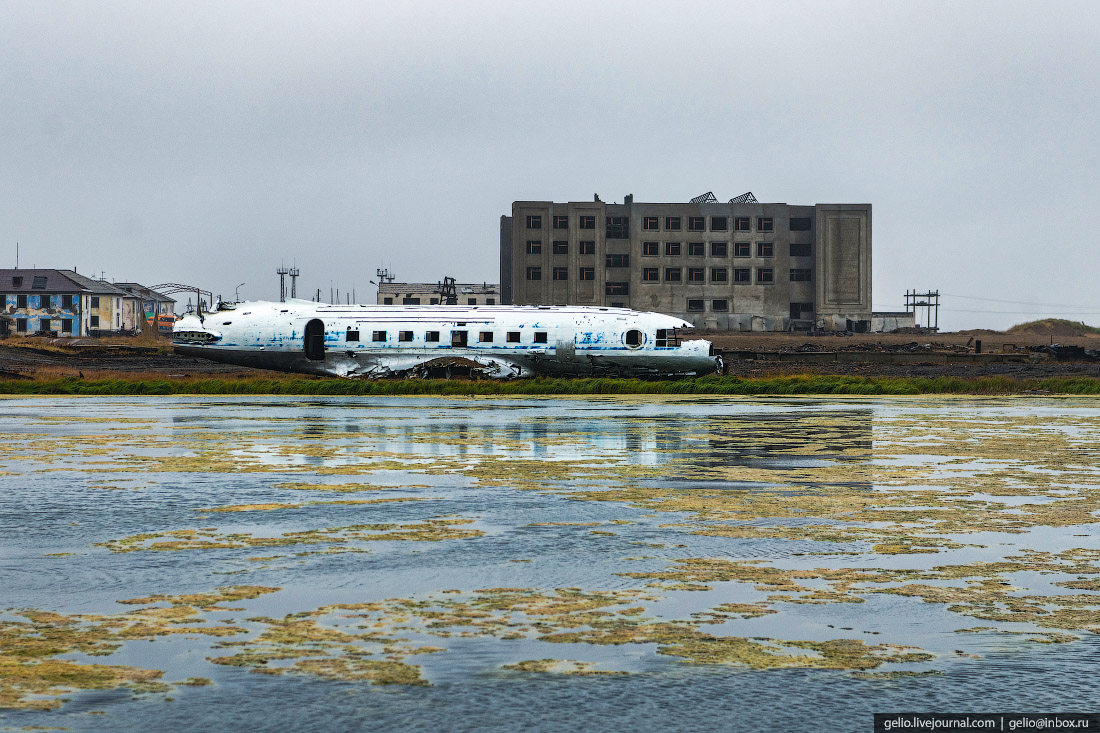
{"x":667,"y":337}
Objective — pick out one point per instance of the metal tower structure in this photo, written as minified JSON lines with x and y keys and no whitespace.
{"x":745,"y":198}
{"x":294,"y":282}
{"x":930,"y":302}
{"x":706,"y":198}
{"x":282,"y":272}
{"x":384,"y":275}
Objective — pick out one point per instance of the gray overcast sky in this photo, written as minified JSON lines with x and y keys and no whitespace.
{"x":208,"y":142}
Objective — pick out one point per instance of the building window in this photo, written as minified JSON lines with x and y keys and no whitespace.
{"x":696,"y":249}
{"x":534,"y":273}
{"x":718,"y":223}
{"x":431,"y":337}
{"x":540,"y":337}
{"x":587,"y":273}
{"x":431,"y":301}
{"x":21,"y":325}
{"x":765,"y":249}
{"x":697,"y":223}
{"x":95,"y":301}
{"x":800,"y":250}
{"x":94,"y":321}
{"x":801,"y":274}
{"x":616,"y":288}
{"x":17,"y":282}
{"x":651,"y":274}
{"x":20,"y":301}
{"x":534,"y":221}
{"x":672,"y":274}
{"x":388,"y":301}
{"x":765,"y":275}
{"x":650,"y":249}
{"x":695,"y":306}
{"x":719,"y":306}
{"x":742,"y":224}
{"x":618,"y":227}
{"x":404,"y":335}
{"x":718,"y":274}
{"x":44,"y":325}
{"x":800,"y":224}
{"x":378,"y":336}
{"x":587,"y":248}
{"x":485,"y":337}
{"x":351,"y":335}
{"x":617,"y":261}
{"x":561,"y":273}
{"x":651,"y":223}
{"x":741,"y":275}
{"x":561,"y":248}
{"x":719,"y":249}
{"x":672,"y":223}
{"x":534,"y":248}
{"x":66,"y":325}
{"x":587,"y":222}
{"x":696,"y":274}
{"x":742,"y":249}
{"x":765,"y":224}
{"x":39,"y":282}
{"x":471,"y":301}
{"x":410,"y":301}
{"x":672,"y":249}
{"x":490,"y":301}
{"x":561,"y":222}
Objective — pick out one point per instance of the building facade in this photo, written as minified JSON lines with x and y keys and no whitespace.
{"x":391,"y":293}
{"x":730,"y":266}
{"x":65,"y":303}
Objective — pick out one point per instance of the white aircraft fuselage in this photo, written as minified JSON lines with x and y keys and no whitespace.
{"x":499,"y":341}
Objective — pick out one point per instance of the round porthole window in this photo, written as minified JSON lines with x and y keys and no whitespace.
{"x":633,"y":338}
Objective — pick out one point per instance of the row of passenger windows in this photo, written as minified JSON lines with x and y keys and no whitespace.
{"x":458,"y":338}
{"x":676,"y":249}
{"x":676,"y":274}
{"x":618,"y":227}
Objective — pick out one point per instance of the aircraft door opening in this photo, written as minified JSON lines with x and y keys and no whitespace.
{"x":315,"y":340}
{"x":458,"y":338}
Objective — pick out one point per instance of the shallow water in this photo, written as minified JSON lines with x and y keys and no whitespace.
{"x":394,"y":501}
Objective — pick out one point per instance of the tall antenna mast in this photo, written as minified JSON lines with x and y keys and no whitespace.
{"x":282,"y":273}
{"x":293,"y":282}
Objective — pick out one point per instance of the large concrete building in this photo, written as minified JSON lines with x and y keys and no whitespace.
{"x":737,"y":266}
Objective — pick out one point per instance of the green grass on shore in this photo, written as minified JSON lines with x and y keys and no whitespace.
{"x":789,"y":385}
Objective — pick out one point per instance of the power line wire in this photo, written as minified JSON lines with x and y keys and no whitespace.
{"x":1017,"y":302}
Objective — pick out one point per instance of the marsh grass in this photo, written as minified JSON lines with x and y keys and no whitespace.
{"x":711,"y":385}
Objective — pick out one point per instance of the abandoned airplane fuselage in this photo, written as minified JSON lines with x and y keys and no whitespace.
{"x":396,"y":340}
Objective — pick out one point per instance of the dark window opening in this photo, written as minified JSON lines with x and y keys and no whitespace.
{"x":651,"y":274}
{"x":66,"y":325}
{"x":561,"y":273}
{"x":718,"y":224}
{"x":404,"y":335}
{"x":587,"y":273}
{"x":534,"y":221}
{"x":617,"y":288}
{"x":617,"y":261}
{"x":20,"y":301}
{"x":651,"y":223}
{"x":742,"y":249}
{"x":667,"y":337}
{"x":618,"y":227}
{"x":378,"y":336}
{"x":431,"y":337}
{"x":672,"y":274}
{"x":587,"y":248}
{"x":587,"y":222}
{"x":95,"y":301}
{"x":742,"y":224}
{"x":513,"y":337}
{"x":801,"y":274}
{"x":764,"y":224}
{"x":540,"y":337}
{"x":39,"y":283}
{"x":719,"y":306}
{"x":387,"y":301}
{"x":313,"y":339}
{"x":410,"y":301}
{"x":534,"y":248}
{"x":800,"y":224}
{"x":17,"y":281}
{"x":696,"y":249}
{"x":633,"y":338}
{"x":695,"y":306}
{"x":765,"y":275}
{"x":94,"y":321}
{"x":561,"y":248}
{"x":719,"y":249}
{"x":561,"y":222}
{"x":765,"y":249}
{"x":534,"y":273}
{"x":351,"y":335}
{"x":672,"y":223}
{"x":697,"y":223}
{"x":21,"y":325}
{"x":433,"y":301}
{"x":696,"y":274}
{"x":672,"y":249}
{"x":44,"y":324}
{"x":485,"y":337}
{"x":800,"y":311}
{"x":741,"y":275}
{"x":650,"y":249}
{"x":458,"y":338}
{"x":490,"y":301}
{"x":800,"y":250}
{"x":718,"y":274}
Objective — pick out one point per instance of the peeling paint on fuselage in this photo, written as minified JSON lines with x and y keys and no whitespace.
{"x":503,"y":341}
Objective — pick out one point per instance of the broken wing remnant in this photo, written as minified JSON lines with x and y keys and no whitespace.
{"x":502,"y":342}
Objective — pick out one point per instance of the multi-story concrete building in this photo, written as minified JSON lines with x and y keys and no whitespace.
{"x":737,"y":266}
{"x":391,"y":293}
{"x":64,"y":303}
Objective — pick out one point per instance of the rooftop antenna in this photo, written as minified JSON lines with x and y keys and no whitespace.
{"x":282,"y":273}
{"x":17,"y":256}
{"x":384,"y":275}
{"x":294,"y":282}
